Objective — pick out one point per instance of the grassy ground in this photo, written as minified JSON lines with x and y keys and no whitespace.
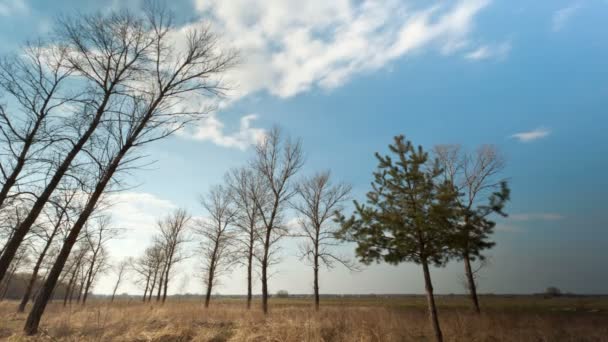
{"x":505,"y":318}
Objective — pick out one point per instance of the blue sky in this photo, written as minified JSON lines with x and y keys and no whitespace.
{"x":529,"y":77}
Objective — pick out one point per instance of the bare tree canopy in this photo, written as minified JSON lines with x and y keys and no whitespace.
{"x":245,"y":187}
{"x":217,"y":233}
{"x":482,"y":192}
{"x":317,"y":202}
{"x":277,"y":160}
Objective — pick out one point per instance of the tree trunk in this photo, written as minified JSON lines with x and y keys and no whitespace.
{"x":471,"y":283}
{"x":431,"y":302}
{"x":33,"y":278}
{"x":166,"y":286}
{"x":146,"y":289}
{"x":209,"y":288}
{"x":316,"y":269}
{"x":115,"y":289}
{"x":152,"y":286}
{"x":249,"y":276}
{"x":33,"y":319}
{"x":160,"y":286}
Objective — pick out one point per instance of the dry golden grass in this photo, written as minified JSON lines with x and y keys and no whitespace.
{"x":505,"y":319}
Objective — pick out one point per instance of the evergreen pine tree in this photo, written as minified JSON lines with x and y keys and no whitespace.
{"x":409,"y":215}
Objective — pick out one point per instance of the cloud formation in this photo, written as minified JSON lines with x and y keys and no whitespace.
{"x":212,"y":129}
{"x":291,"y":46}
{"x":533,"y":135}
{"x":499,"y":51}
{"x":563,"y":15}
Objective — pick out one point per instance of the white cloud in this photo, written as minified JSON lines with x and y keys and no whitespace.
{"x":499,"y":51}
{"x":291,"y":46}
{"x":563,"y":15}
{"x":212,"y":129}
{"x":529,"y":136}
{"x":522,"y":217}
{"x":137,"y":213}
{"x":11,"y":7}
{"x":288,"y":47}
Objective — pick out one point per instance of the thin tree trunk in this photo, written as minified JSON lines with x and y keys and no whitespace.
{"x":166,"y":287}
{"x":316,"y":271}
{"x":160,"y":286}
{"x":153,"y":285}
{"x":316,"y":285}
{"x":146,"y":288}
{"x":210,"y":283}
{"x":265,"y":277}
{"x":471,"y":283}
{"x":431,"y":302}
{"x":33,"y":278}
{"x":249,"y":276}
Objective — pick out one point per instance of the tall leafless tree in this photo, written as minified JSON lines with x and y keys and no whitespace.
{"x":483,"y":192}
{"x":105,"y":54}
{"x":97,"y":237}
{"x":216,"y":231}
{"x":277,"y":159}
{"x":121,"y":270}
{"x":151,"y":112}
{"x":173,"y":234}
{"x":245,"y":186}
{"x":317,"y":202}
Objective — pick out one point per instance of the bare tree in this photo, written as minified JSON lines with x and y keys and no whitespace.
{"x":149,"y":113}
{"x":482,"y":192}
{"x":73,"y":270}
{"x":245,"y":186}
{"x":104,"y":54}
{"x":277,"y":160}
{"x":34,"y":79}
{"x":317,"y":202}
{"x":100,"y":233}
{"x":173,"y":234}
{"x":57,"y":215}
{"x":121,"y":270}
{"x":217,"y":236}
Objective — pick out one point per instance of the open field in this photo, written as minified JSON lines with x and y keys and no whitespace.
{"x":505,"y":318}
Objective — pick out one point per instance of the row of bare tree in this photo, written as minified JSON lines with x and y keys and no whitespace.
{"x":80,"y":105}
{"x":246,"y":217}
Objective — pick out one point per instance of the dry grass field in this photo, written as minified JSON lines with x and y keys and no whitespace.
{"x":517,"y":318}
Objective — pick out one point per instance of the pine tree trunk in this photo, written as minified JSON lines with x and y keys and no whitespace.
{"x":471,"y":283}
{"x":431,"y":302}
